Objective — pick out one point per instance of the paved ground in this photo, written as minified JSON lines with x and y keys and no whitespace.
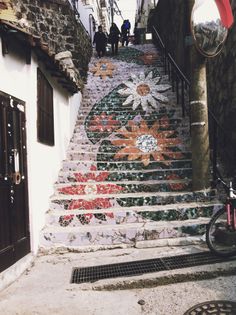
{"x":46,"y":289}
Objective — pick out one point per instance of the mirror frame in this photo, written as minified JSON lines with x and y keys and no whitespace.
{"x":204,"y":53}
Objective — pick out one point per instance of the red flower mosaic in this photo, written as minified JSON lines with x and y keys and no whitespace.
{"x":175,"y":186}
{"x":103,"y":123}
{"x":98,"y":203}
{"x":91,"y":189}
{"x":65,"y":220}
{"x":91,"y":177}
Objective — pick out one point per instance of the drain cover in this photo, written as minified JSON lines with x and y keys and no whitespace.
{"x":134,"y":268}
{"x":213,"y":307}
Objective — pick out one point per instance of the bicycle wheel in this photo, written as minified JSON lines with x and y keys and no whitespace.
{"x":220,"y":237}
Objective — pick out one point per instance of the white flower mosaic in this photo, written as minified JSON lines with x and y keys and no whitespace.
{"x":145,"y":91}
{"x":146,"y":143}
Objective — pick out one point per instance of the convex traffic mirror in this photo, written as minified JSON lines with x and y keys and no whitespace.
{"x":208,"y":32}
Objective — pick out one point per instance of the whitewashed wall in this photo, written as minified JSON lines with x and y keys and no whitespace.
{"x":20,"y":80}
{"x":86,"y":12}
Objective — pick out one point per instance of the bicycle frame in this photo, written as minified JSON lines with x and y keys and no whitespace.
{"x":231,"y":208}
{"x":231,"y":214}
{"x":221,"y":230}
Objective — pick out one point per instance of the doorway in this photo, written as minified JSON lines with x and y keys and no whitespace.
{"x":14,"y":212}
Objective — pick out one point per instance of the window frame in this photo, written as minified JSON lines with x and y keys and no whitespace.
{"x":45,"y":110}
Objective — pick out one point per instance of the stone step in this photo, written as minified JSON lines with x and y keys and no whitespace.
{"x":120,"y":234}
{"x":109,"y":116}
{"x":77,"y":165}
{"x":107,"y":188}
{"x":173,"y":154}
{"x":172,"y":123}
{"x":101,"y":201}
{"x":143,"y":214}
{"x":113,"y":176}
{"x":79,"y":137}
{"x":172,"y":144}
{"x":86,"y":109}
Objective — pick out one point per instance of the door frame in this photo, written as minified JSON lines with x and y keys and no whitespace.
{"x":17,"y":247}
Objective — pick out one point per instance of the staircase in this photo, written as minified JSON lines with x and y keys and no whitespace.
{"x":127,"y":177}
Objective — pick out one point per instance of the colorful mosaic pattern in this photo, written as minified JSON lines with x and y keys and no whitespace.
{"x":128,"y":168}
{"x":103,"y":68}
{"x":144,"y":90}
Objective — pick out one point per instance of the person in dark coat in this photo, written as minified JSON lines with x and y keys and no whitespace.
{"x":114,"y":38}
{"x":100,"y":40}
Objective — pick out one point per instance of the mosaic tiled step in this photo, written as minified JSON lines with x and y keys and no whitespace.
{"x":183,"y":212}
{"x":109,"y":156}
{"x":107,"y":188}
{"x":113,"y":176}
{"x":149,"y":119}
{"x":173,"y":123}
{"x":86,"y":107}
{"x":120,"y":234}
{"x":121,"y":166}
{"x":74,"y":147}
{"x":78,"y":137}
{"x":90,"y":202}
{"x":172,"y":111}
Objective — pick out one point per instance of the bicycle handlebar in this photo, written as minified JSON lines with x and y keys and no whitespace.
{"x":230,"y":190}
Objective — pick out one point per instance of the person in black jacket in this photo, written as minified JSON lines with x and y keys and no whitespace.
{"x":114,"y":38}
{"x":100,"y":40}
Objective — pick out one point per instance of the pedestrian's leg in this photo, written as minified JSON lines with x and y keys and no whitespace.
{"x":116,"y":47}
{"x":112,"y":48}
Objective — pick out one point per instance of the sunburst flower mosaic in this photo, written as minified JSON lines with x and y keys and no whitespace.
{"x":103,"y":68}
{"x":145,"y":91}
{"x":145,"y":143}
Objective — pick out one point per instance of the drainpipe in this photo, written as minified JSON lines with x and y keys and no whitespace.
{"x":112,"y":10}
{"x":199,"y":117}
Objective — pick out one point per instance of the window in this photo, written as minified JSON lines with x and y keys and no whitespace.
{"x":45,"y":118}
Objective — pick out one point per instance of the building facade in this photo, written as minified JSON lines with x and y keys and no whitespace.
{"x":43,"y":68}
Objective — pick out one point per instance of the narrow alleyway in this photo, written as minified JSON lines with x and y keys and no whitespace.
{"x":127,"y":176}
{"x":126,"y":183}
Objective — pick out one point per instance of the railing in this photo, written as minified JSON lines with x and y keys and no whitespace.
{"x":219,"y":138}
{"x":181,"y":85}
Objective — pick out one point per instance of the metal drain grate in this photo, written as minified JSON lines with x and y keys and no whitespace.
{"x":134,"y":268}
{"x":213,"y":307}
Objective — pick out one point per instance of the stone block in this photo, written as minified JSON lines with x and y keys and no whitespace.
{"x":63,"y":55}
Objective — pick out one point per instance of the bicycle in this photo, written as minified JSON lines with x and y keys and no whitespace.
{"x":221,"y":230}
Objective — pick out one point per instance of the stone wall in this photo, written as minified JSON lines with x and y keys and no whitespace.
{"x":55,"y":22}
{"x":222,"y":91}
{"x":172,"y":20}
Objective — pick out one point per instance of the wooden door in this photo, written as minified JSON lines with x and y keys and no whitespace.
{"x":14,"y":218}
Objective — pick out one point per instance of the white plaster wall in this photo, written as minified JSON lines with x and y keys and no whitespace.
{"x":85,"y":11}
{"x":20,"y":80}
